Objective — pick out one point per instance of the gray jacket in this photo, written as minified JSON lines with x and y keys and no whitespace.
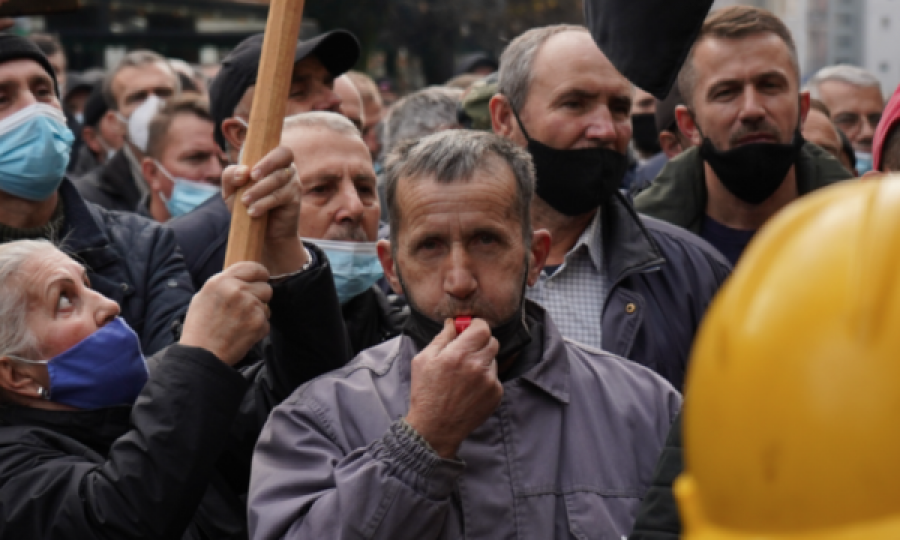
{"x":569,"y":452}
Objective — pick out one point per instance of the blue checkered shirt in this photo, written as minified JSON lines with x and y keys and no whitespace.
{"x":575,"y":292}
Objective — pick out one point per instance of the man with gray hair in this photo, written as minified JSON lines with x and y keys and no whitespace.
{"x":480,"y":421}
{"x":632,"y":286}
{"x":853,"y":95}
{"x":339,"y":213}
{"x":421,"y":113}
{"x":119,"y":183}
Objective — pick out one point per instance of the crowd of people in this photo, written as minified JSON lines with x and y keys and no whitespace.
{"x":476,"y":307}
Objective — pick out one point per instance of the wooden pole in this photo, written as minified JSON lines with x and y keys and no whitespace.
{"x":273,"y":83}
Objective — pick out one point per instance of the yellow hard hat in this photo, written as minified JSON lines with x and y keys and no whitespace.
{"x":792,"y":403}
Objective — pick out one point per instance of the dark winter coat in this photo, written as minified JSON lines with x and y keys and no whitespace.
{"x":177,"y":463}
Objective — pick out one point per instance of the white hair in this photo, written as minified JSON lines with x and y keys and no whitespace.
{"x":846,"y":73}
{"x":16,"y":339}
{"x":322,"y":119}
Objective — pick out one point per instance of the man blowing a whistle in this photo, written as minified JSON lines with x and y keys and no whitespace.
{"x":500,"y":429}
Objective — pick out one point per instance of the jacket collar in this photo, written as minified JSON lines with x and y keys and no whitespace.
{"x":627,"y":246}
{"x":552,"y":374}
{"x":97,"y":429}
{"x":678,"y":195}
{"x":116,"y":178}
{"x":84,"y":235}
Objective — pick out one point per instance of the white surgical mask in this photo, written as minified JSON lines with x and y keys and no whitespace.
{"x":139,"y":122}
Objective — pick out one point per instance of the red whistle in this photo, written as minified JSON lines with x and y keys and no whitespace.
{"x":462,"y":323}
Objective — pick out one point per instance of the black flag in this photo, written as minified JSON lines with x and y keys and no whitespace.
{"x":647,"y":40}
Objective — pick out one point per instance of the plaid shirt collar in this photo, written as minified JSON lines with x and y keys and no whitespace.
{"x":592,"y":241}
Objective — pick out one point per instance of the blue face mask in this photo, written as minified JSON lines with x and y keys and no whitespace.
{"x":105,"y":369}
{"x":186,"y":194}
{"x":34,"y":152}
{"x":863,"y":162}
{"x":354,"y":265}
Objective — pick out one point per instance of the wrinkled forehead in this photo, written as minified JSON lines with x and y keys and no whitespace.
{"x":22,"y":70}
{"x":41,"y":269}
{"x":488,"y":196}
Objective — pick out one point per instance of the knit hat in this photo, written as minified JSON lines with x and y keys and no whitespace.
{"x":337,"y":50}
{"x":14,"y":48}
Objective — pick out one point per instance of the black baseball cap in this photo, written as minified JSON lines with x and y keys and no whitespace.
{"x":338,"y":51}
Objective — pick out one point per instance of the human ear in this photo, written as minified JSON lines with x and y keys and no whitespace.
{"x":18,"y":381}
{"x":670,"y":144}
{"x":151,"y":174}
{"x":234,"y":132}
{"x":687,"y":123}
{"x":389,"y":265}
{"x":501,"y":116}
{"x":804,"y":106}
{"x":540,"y":250}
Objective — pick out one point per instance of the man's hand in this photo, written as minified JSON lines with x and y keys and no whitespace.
{"x":230,"y":313}
{"x":276,"y":191}
{"x":454,"y":386}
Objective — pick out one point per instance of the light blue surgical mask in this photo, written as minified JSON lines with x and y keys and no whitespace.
{"x":186,"y":194}
{"x":34,"y":151}
{"x":354,"y":266}
{"x":105,"y":369}
{"x":864,"y":162}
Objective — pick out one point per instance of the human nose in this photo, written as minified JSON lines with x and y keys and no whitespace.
{"x":329,"y":101}
{"x":751,"y":106}
{"x":213,"y":167}
{"x":459,"y":280}
{"x":350,"y":206}
{"x":601,"y":126}
{"x":105,"y":310}
{"x":866,"y":129}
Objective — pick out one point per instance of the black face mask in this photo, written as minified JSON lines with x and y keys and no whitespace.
{"x":644,"y":134}
{"x":512,"y":335}
{"x":753,"y":172}
{"x":575,"y":182}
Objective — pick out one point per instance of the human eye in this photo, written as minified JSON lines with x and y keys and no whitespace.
{"x":44,"y":91}
{"x":486,"y":238}
{"x":298,"y":91}
{"x":65,"y":302}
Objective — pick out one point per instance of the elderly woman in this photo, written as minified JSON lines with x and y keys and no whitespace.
{"x":97,"y":442}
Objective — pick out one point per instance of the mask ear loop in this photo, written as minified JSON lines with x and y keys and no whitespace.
{"x":518,"y":120}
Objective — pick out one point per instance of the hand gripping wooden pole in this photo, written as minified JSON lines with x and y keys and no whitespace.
{"x":273,"y":83}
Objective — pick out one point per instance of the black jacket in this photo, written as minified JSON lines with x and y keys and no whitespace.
{"x":112,"y":185}
{"x":678,"y":194}
{"x":131,"y":260}
{"x":661,"y":280}
{"x":202,"y":234}
{"x":658,"y":517}
{"x":177,"y":463}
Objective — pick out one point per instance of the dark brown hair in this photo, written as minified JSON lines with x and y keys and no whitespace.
{"x":734,"y":22}
{"x":159,"y":126}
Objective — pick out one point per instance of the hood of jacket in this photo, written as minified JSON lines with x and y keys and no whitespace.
{"x":678,"y":195}
{"x":889,"y":120}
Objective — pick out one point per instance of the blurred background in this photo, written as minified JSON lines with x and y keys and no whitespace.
{"x":414,"y":43}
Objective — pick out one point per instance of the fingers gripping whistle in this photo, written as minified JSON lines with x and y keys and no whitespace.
{"x":462,"y":323}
